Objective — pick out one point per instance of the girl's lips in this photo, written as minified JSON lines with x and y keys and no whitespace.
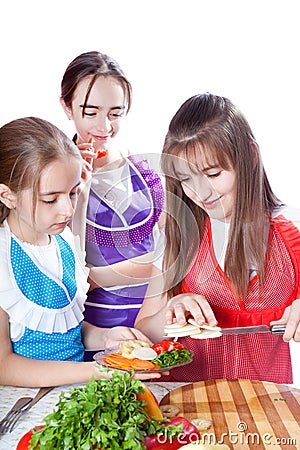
{"x":62,"y":224}
{"x":212,"y":204}
{"x":101,"y":138}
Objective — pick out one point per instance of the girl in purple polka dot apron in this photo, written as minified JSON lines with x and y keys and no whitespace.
{"x":120,"y":226}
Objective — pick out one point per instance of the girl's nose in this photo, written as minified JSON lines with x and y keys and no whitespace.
{"x":103,"y":124}
{"x":68,"y":208}
{"x":203,"y":188}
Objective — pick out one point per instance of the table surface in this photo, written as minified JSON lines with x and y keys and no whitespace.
{"x":245,"y":414}
{"x":231,"y":405}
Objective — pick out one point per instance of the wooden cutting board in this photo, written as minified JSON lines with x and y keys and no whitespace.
{"x":245,"y":414}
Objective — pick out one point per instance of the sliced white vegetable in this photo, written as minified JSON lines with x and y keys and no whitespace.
{"x":179,"y":329}
{"x":175,"y":326}
{"x":144,"y":353}
{"x":183,"y":333}
{"x":207,"y":334}
{"x":204,"y":326}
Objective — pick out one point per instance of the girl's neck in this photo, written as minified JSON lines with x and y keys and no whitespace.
{"x":25,"y":233}
{"x":105,"y":164}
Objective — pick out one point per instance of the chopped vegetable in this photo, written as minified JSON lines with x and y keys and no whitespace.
{"x":144,"y":353}
{"x":120,"y":362}
{"x":167,"y":346}
{"x":127,"y":347}
{"x":172,"y":358}
{"x":170,"y":411}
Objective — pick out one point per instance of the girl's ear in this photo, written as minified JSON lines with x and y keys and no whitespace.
{"x":66,"y":109}
{"x":7,"y":197}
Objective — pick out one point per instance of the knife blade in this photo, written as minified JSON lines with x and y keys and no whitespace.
{"x":274,"y":329}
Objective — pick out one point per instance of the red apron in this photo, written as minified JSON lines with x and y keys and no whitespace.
{"x":258,"y":356}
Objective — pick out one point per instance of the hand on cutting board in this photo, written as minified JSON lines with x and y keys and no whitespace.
{"x":183,"y":306}
{"x":291,"y":317}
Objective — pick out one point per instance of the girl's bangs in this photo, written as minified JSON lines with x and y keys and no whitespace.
{"x":197,"y":155}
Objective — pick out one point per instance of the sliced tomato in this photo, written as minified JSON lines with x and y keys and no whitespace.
{"x":158,"y":348}
{"x":166,"y":346}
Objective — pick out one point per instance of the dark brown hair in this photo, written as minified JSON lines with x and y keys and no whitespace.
{"x":92,"y":64}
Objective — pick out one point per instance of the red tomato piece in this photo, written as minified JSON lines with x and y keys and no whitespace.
{"x":166,"y":346}
{"x":25,"y":440}
{"x":188,"y":435}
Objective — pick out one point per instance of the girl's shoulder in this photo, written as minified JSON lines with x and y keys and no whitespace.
{"x":290,"y":213}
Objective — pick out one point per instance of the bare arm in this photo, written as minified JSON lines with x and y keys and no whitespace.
{"x":132,"y":271}
{"x":152,"y":315}
{"x":95,"y":338}
{"x":16,"y":370}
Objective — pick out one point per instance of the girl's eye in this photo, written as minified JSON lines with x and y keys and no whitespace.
{"x":214,"y":175}
{"x":49,"y":202}
{"x":116,"y":114}
{"x":89,"y":113}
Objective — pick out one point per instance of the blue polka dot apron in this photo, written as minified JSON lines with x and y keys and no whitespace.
{"x":54,"y":332}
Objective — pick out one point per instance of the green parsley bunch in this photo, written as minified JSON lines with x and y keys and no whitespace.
{"x":103,"y":414}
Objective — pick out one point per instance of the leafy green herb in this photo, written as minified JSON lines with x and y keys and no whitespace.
{"x":103,"y":414}
{"x":168,"y":359}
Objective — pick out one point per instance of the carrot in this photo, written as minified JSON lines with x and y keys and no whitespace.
{"x":152,"y":404}
{"x":119,"y":361}
{"x":116,"y":360}
{"x":139,"y":364}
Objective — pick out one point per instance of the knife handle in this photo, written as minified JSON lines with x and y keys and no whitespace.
{"x":278,"y":329}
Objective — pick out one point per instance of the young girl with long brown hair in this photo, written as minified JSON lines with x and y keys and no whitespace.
{"x":232,"y":249}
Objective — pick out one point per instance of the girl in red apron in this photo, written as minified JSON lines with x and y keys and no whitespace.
{"x":232,"y":250}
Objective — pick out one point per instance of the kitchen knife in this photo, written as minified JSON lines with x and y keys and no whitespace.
{"x":274,"y":329}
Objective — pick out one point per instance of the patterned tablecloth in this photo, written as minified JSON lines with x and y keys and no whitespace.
{"x":9,"y":395}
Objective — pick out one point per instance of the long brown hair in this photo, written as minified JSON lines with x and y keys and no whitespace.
{"x":212,"y":127}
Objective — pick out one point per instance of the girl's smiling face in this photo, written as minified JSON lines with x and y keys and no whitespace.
{"x":100,"y":117}
{"x":209,"y":186}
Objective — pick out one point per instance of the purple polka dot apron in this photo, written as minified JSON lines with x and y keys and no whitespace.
{"x":118,"y":233}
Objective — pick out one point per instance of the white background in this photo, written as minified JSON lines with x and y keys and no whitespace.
{"x":169,"y":50}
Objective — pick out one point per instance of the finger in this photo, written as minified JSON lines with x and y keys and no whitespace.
{"x":180,"y":313}
{"x":292,"y":330}
{"x":136,"y":334}
{"x":148,"y":376}
{"x":87,"y":155}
